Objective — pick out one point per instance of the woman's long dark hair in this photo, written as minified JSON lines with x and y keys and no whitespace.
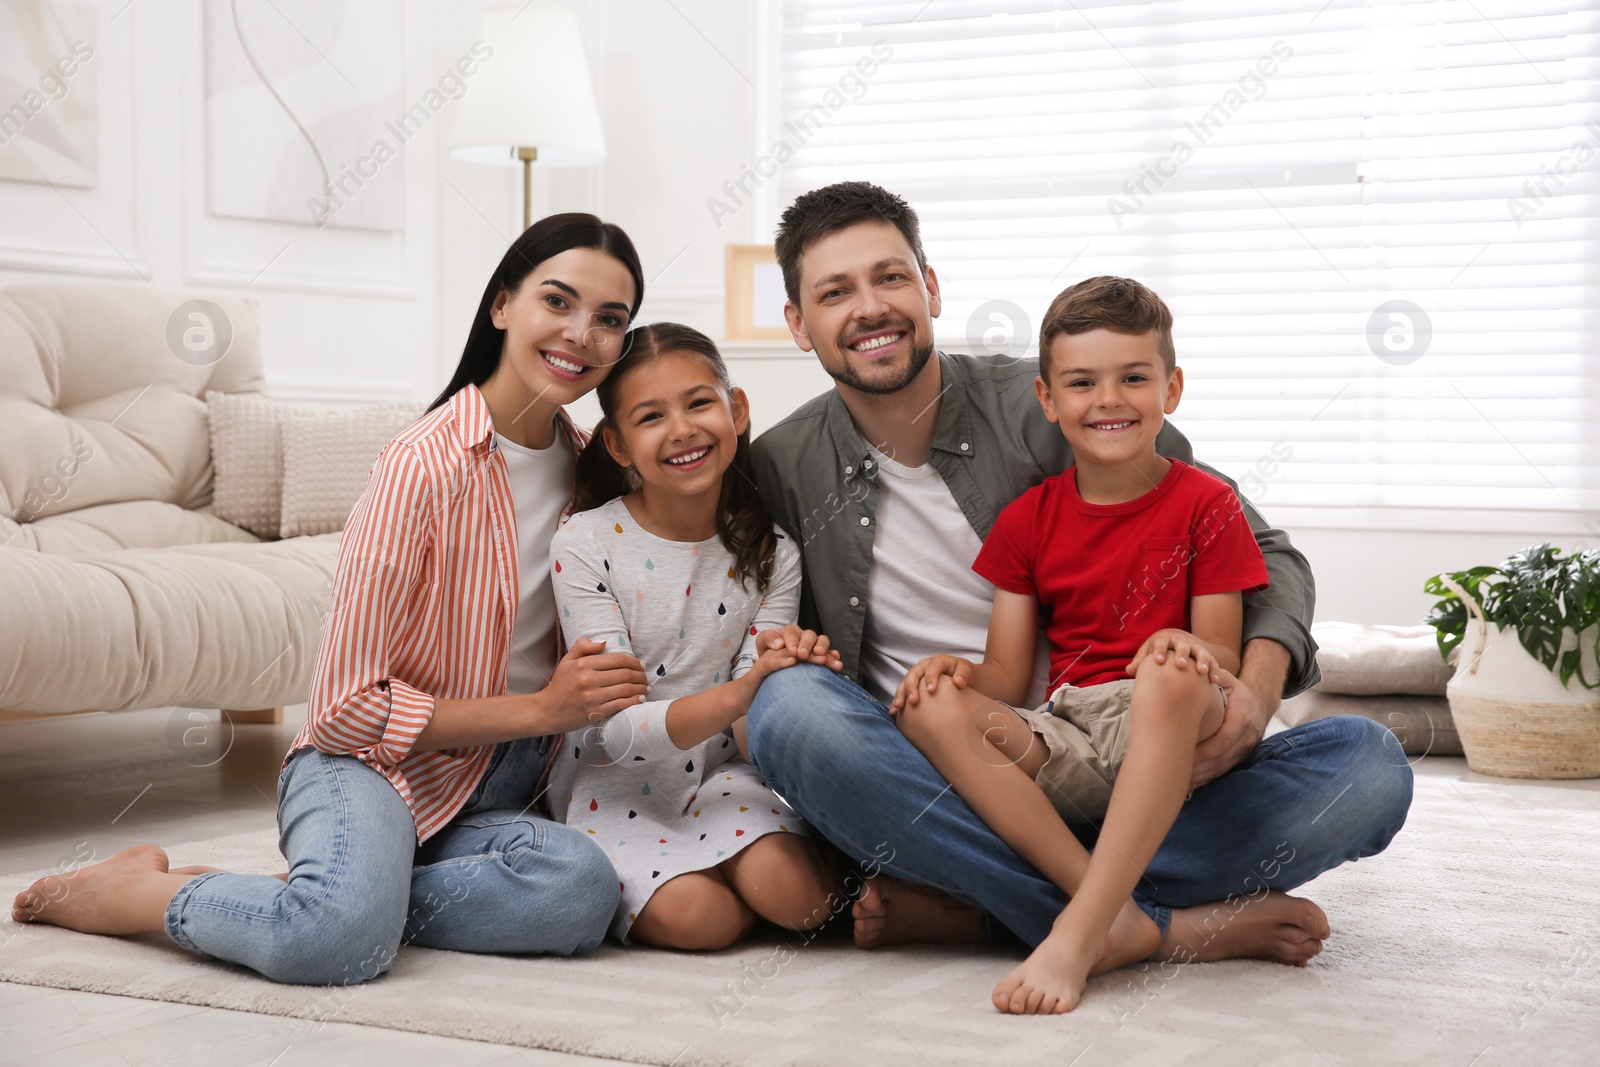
{"x":548,"y":237}
{"x":744,"y":522}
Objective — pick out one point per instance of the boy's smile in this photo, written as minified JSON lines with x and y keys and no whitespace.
{"x":1109,"y":393}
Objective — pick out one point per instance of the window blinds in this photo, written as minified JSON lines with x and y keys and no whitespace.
{"x":1377,"y":224}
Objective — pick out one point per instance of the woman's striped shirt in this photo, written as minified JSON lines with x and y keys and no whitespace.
{"x":423,"y":606}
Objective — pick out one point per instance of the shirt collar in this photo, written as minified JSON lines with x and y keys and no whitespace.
{"x":475,"y":425}
{"x":953,"y":434}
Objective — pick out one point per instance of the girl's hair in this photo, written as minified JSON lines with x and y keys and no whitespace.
{"x":744,"y":522}
{"x":548,"y":237}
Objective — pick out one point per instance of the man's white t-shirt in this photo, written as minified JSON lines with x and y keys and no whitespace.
{"x":923,"y":597}
{"x":541,"y":487}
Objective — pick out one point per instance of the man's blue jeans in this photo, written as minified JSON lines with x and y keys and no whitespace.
{"x":497,"y":879}
{"x":1304,"y":801}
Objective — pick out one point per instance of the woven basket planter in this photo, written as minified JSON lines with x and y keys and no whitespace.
{"x":1515,"y":718}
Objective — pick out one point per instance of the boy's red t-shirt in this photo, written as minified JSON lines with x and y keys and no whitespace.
{"x":1107,"y":576}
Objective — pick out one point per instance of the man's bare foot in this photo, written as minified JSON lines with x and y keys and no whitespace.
{"x":893,"y":912}
{"x":126,"y":894}
{"x":1275,"y":927}
{"x":1050,"y":981}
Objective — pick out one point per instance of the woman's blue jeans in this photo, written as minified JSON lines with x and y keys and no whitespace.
{"x":1303,"y":801}
{"x":497,"y":879}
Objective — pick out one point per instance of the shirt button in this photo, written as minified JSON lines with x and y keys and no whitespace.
{"x":855,"y":602}
{"x":868,"y":463}
{"x":865,"y":521}
{"x":849,"y":470}
{"x":964,"y":446}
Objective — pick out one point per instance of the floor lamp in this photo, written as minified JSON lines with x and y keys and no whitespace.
{"x":530,"y":102}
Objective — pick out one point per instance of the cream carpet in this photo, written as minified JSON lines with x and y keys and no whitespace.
{"x":1475,"y":940}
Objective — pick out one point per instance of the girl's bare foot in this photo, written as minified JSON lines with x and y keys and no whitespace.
{"x":126,"y":894}
{"x":1275,"y":927}
{"x":893,"y":912}
{"x":1050,"y":981}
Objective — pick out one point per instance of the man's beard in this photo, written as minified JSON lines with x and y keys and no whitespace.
{"x":849,"y":375}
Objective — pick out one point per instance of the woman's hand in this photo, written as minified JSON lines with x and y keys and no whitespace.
{"x":924,"y":677}
{"x":1185,"y":646}
{"x":590,"y":684}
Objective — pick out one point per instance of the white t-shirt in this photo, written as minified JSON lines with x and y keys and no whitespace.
{"x":541,"y":487}
{"x":923,"y":596}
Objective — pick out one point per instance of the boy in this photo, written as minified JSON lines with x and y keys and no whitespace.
{"x":1135,"y":564}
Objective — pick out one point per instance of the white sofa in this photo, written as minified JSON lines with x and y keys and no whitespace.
{"x":119,"y":589}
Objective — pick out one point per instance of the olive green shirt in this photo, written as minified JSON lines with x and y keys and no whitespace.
{"x":991,"y":444}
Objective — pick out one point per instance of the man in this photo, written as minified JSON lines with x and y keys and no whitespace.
{"x":889,"y":483}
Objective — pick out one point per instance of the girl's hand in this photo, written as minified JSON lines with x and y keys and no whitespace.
{"x":924,"y":677}
{"x":590,"y":684}
{"x":1184,"y":646}
{"x":773,"y":656}
{"x":807,"y":646}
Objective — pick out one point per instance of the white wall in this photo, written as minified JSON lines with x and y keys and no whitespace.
{"x":346,"y":314}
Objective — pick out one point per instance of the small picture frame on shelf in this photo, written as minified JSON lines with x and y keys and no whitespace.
{"x":755,"y":296}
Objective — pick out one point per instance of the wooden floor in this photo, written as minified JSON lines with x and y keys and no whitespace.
{"x":104,"y":782}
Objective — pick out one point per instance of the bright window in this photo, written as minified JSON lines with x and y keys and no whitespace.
{"x":1377,"y":224}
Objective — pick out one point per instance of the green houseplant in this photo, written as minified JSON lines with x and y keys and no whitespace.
{"x":1526,"y":636}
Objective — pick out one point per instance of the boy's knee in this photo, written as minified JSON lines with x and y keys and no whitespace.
{"x":1177,"y":689}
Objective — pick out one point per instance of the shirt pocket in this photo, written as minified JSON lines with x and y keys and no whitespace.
{"x":1164,"y":568}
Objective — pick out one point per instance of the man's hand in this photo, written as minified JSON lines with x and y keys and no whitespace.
{"x":1252,"y":699}
{"x":925,"y":674}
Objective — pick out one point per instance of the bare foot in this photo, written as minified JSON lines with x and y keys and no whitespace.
{"x":1050,"y":981}
{"x":194,"y":870}
{"x":893,"y":912}
{"x":1275,"y":927}
{"x":126,"y":894}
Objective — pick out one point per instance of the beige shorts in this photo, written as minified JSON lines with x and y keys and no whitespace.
{"x":1086,"y":733}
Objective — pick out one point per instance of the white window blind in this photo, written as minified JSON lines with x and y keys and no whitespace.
{"x":1280,"y":172}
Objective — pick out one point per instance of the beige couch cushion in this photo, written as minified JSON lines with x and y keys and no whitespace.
{"x":247,"y":453}
{"x":206,"y":625}
{"x":326,"y":459}
{"x":90,"y":382}
{"x":1358,"y":660}
{"x":132,"y":524}
{"x":1422,"y":724}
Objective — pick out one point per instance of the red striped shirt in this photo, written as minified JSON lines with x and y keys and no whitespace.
{"x":423,"y":606}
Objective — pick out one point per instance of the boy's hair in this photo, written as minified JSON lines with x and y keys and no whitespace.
{"x":836,"y":207}
{"x":1121,"y":305}
{"x":744,"y":522}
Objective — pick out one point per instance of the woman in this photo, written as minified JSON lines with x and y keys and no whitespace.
{"x":404,"y":804}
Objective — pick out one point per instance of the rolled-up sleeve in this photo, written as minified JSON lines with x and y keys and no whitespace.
{"x":357,"y":706}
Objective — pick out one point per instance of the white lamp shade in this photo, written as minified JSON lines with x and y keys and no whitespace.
{"x":533,"y":92}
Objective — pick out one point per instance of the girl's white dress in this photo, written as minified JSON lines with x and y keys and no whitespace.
{"x":658,"y":810}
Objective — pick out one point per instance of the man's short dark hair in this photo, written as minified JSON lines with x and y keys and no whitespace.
{"x":836,"y":207}
{"x":1121,"y":305}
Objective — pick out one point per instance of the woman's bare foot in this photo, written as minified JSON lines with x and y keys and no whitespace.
{"x":893,"y":912}
{"x":126,"y":894}
{"x":1275,"y":927}
{"x":1050,"y":981}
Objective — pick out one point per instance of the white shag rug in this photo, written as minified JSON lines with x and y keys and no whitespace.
{"x":1474,"y":941}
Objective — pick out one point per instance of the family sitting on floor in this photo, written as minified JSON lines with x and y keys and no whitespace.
{"x":772,"y":681}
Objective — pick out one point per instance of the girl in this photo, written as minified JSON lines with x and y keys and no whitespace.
{"x":675,"y":559}
{"x":403,"y":803}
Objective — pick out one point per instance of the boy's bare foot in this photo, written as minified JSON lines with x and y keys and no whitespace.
{"x":893,"y":912}
{"x":1275,"y":927}
{"x":126,"y":894}
{"x":1050,"y":981}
